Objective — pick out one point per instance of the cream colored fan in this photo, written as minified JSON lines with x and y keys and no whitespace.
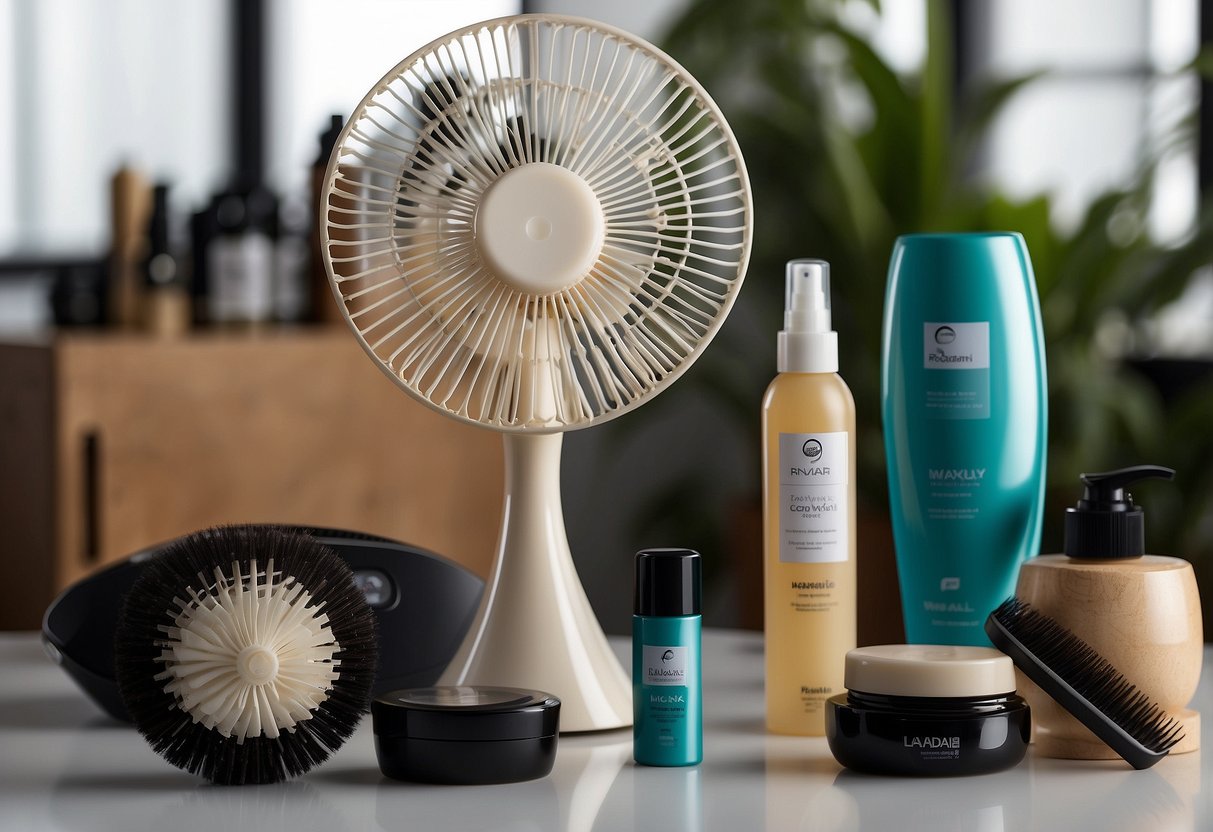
{"x":535,"y":224}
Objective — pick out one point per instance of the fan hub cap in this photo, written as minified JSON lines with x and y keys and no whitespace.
{"x":540,"y":228}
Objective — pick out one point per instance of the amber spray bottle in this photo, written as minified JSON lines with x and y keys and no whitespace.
{"x":808,"y":436}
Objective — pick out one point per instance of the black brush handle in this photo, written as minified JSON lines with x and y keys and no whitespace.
{"x":1101,"y":725}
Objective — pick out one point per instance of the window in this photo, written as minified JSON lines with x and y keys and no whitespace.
{"x":87,"y":85}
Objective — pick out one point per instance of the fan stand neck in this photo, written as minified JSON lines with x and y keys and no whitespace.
{"x":540,"y":228}
{"x":535,"y":628}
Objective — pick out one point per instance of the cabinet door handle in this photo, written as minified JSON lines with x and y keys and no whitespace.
{"x":91,"y":475}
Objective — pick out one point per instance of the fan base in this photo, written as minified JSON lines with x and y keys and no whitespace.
{"x":535,"y":628}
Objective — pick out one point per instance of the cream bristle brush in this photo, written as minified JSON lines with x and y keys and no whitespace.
{"x":245,"y":654}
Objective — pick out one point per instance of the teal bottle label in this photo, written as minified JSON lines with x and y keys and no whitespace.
{"x":665,"y":665}
{"x":958,"y":354}
{"x":668,"y":729}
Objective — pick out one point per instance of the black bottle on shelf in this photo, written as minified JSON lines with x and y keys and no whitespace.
{"x":164,"y":301}
{"x":240,"y":257}
{"x":323,"y":306}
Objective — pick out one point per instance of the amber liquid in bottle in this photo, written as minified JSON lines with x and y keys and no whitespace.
{"x":808,"y":437}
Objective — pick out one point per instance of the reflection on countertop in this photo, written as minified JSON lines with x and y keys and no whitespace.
{"x":65,"y":767}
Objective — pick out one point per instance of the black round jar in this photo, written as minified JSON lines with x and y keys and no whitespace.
{"x":466,"y":735}
{"x":926,"y":710}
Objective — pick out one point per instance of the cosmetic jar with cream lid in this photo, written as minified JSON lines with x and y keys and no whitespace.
{"x":466,"y":735}
{"x":928,"y":710}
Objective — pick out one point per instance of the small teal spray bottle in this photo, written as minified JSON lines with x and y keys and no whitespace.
{"x":667,"y":690}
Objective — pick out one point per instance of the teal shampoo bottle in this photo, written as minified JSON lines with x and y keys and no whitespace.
{"x":667,"y":692}
{"x":964,"y":404}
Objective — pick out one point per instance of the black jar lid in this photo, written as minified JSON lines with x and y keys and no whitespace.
{"x":466,"y":713}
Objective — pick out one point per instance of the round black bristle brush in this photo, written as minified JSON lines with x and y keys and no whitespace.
{"x":245,"y":654}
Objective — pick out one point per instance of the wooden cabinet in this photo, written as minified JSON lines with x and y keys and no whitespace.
{"x":109,"y":443}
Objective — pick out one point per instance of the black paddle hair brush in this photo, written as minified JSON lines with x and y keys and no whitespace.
{"x":246,"y":654}
{"x":1084,"y":683}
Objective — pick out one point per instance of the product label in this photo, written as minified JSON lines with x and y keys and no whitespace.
{"x":932,"y":747}
{"x":813,"y":483}
{"x":954,"y":493}
{"x":665,"y":665}
{"x":241,"y":272}
{"x":667,"y":714}
{"x":960,"y":352}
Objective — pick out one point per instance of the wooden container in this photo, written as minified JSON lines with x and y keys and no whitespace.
{"x":110,"y":443}
{"x":1143,"y":615}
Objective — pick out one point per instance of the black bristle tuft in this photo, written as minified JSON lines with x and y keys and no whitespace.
{"x":1084,"y":683}
{"x":190,"y":745}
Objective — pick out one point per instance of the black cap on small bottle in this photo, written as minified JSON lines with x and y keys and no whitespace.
{"x":668,"y":582}
{"x":1106,"y":524}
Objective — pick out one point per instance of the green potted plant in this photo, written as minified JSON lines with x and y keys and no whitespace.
{"x":838,"y":184}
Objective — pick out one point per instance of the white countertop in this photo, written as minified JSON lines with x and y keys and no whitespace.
{"x":65,"y":766}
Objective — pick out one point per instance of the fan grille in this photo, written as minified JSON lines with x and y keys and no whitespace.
{"x":414,"y":161}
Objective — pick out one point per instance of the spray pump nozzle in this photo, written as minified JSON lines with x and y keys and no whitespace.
{"x":807,"y":344}
{"x":807,"y":300}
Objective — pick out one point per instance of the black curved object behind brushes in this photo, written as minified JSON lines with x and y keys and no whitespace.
{"x":423,"y":604}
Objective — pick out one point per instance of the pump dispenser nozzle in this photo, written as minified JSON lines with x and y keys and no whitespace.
{"x":1107,"y":490}
{"x":806,"y":342}
{"x":1106,"y":524}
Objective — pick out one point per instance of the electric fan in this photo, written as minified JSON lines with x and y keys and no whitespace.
{"x":535,"y":224}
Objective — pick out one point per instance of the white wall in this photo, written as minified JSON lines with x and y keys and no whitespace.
{"x":325,"y":56}
{"x":8,"y":129}
{"x":86,"y":85}
{"x":646,"y":18}
{"x":94,"y":84}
